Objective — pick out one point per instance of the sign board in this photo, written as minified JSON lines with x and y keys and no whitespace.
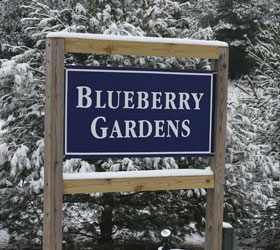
{"x":138,"y":112}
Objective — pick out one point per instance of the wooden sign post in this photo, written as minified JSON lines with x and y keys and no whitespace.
{"x":54,"y":184}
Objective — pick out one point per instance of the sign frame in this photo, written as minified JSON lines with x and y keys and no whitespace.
{"x":59,"y":43}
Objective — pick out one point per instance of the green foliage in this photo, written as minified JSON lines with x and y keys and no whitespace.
{"x":11,"y":29}
{"x":249,"y":168}
{"x":265,"y":83}
{"x":233,"y":21}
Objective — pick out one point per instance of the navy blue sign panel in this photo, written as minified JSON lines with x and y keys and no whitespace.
{"x":112,"y":112}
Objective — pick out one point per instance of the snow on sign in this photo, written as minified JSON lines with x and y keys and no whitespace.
{"x":137,"y":112}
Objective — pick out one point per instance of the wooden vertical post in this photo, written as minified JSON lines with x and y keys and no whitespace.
{"x":53,"y":180}
{"x":215,"y":197}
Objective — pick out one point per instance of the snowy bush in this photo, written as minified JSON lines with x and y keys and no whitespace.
{"x":88,"y":219}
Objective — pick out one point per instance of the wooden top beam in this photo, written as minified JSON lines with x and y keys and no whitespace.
{"x":143,"y":46}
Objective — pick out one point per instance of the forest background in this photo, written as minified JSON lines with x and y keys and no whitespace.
{"x":133,"y":220}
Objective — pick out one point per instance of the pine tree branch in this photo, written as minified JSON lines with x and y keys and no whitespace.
{"x":34,"y":209}
{"x":79,"y":233}
{"x":37,"y":71}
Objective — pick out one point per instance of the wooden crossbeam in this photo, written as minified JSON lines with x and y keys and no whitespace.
{"x":137,"y":181}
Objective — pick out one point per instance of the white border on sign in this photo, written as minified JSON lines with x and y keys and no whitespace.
{"x":136,"y":72}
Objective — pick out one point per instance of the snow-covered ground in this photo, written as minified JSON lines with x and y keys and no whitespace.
{"x":4,"y":238}
{"x":171,"y":248}
{"x":195,"y":239}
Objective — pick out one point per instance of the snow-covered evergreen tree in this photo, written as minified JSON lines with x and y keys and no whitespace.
{"x":252,"y":169}
{"x":89,"y":219}
{"x":249,"y":168}
{"x":11,"y":30}
{"x":265,"y":82}
{"x":235,"y":20}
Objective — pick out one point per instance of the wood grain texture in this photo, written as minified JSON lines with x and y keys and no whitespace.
{"x":215,"y":197}
{"x":52,"y":236}
{"x":76,"y":45}
{"x":137,"y":184}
